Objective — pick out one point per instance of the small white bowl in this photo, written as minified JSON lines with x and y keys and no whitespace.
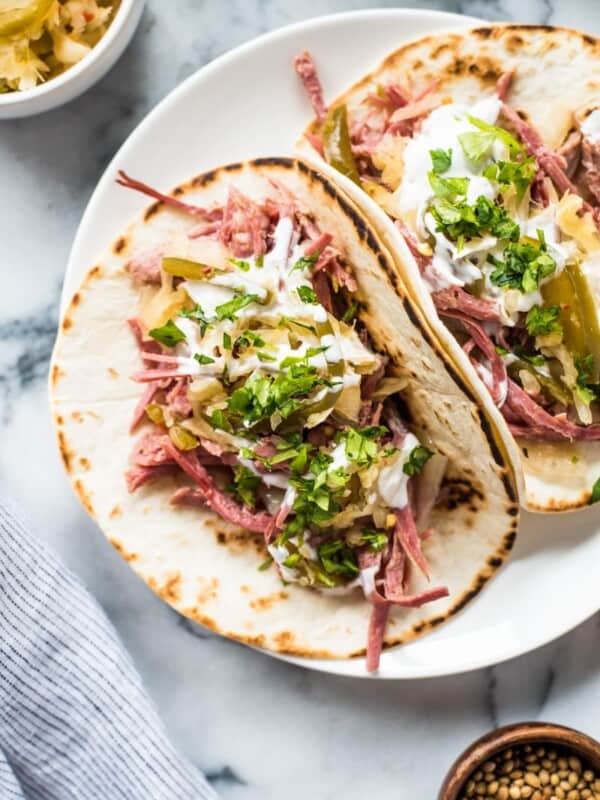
{"x":76,"y":79}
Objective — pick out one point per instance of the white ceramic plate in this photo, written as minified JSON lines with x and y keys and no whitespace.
{"x":249,"y":103}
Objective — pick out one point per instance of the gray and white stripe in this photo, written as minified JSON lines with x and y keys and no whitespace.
{"x":75,"y":721}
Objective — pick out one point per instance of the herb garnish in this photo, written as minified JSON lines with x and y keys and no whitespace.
{"x":245,"y":485}
{"x":229,"y":309}
{"x":543,"y":321}
{"x":307,"y":295}
{"x":168,"y":334}
{"x":462,"y":221}
{"x":441,"y":160}
{"x":202,"y":359}
{"x":524,"y":266}
{"x":417,"y":459}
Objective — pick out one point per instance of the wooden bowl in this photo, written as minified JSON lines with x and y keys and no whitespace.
{"x":522,"y":733}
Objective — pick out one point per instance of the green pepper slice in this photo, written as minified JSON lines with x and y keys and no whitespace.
{"x":184,"y":268}
{"x":20,"y":17}
{"x":551,"y":387}
{"x":581,"y":333}
{"x":336,"y":143}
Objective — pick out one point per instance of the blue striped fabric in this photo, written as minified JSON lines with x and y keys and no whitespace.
{"x":75,"y":721}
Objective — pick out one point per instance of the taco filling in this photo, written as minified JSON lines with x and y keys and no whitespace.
{"x":262,"y":389}
{"x":505,"y":233}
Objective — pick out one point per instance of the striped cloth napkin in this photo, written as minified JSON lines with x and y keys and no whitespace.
{"x":75,"y":721}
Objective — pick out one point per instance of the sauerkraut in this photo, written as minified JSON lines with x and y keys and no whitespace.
{"x":40,"y":39}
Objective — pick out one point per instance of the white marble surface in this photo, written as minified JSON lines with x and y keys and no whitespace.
{"x":260,"y":729}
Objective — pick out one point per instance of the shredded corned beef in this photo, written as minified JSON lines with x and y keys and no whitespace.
{"x":221,"y":502}
{"x":503,"y":85}
{"x":177,"y":398}
{"x":244,"y":227}
{"x":391,"y":419}
{"x":385,"y":579}
{"x":375,"y":635}
{"x":481,"y":339}
{"x":137,"y":476}
{"x":454,"y":298}
{"x":570,"y":150}
{"x":412,"y":244}
{"x":209,"y":214}
{"x":552,"y":164}
{"x":322,"y":290}
{"x":405,"y":532}
{"x":307,"y":72}
{"x":188,"y":496}
{"x":537,"y":423}
{"x":590,"y":160}
{"x":147,"y":396}
{"x":144,"y":345}
{"x":149,"y":450}
{"x":145,"y":269}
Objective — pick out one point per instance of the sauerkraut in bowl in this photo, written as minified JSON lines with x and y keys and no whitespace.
{"x":40,"y":39}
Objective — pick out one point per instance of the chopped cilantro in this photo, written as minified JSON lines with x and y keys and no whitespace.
{"x":265,"y":357}
{"x":441,"y":160}
{"x":265,"y":564}
{"x":245,"y":485}
{"x":247,"y":339}
{"x":218,"y":420}
{"x":524,"y":266}
{"x":198,"y":315}
{"x":448,"y":188}
{"x":376,"y":540}
{"x":586,"y":391}
{"x":229,"y":309}
{"x":351,"y":312}
{"x":168,"y":334}
{"x":514,"y":146}
{"x":417,"y":459}
{"x":462,"y":221}
{"x":307,"y":295}
{"x":361,"y":444}
{"x":502,"y":351}
{"x":595,"y":496}
{"x":263,"y":395}
{"x":202,"y":359}
{"x":240,"y":264}
{"x":543,"y":321}
{"x":306,"y":262}
{"x":287,"y":321}
{"x":338,"y":558}
{"x":226,"y":341}
{"x":259,"y":260}
{"x":476,"y":144}
{"x":518,"y":173}
{"x":532,"y":358}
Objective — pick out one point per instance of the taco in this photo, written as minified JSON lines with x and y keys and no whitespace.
{"x":263,"y":428}
{"x":478,"y":156}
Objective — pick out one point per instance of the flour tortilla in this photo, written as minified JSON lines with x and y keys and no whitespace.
{"x":207,"y":568}
{"x":557,"y":74}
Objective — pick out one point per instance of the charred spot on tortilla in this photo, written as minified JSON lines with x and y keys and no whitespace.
{"x":55,"y":374}
{"x":65,"y":452}
{"x":152,"y":210}
{"x":120,"y":245}
{"x":264,"y":603}
{"x":84,"y":496}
